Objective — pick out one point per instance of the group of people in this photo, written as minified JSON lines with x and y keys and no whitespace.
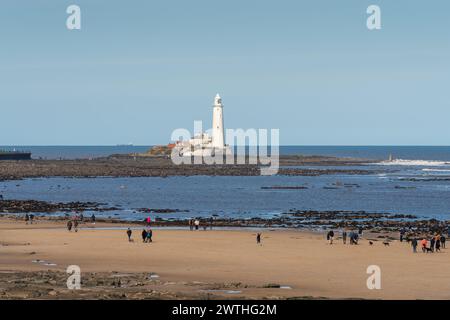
{"x":195,"y":224}
{"x":75,"y":220}
{"x":72,"y":224}
{"x":147,"y":235}
{"x":352,"y":236}
{"x":29,"y":218}
{"x":147,"y":232}
{"x":429,"y":244}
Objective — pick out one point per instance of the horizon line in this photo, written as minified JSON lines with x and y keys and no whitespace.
{"x":281,"y":145}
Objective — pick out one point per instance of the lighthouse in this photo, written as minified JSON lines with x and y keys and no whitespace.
{"x":204,"y":144}
{"x":217,"y":124}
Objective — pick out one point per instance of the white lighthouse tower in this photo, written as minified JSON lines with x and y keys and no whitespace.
{"x":218,"y":141}
{"x":204,"y":144}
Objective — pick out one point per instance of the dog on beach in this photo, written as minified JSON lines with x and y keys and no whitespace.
{"x":386,"y":243}
{"x":370,"y":243}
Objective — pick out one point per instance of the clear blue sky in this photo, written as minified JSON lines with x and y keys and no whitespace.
{"x":139,"y":69}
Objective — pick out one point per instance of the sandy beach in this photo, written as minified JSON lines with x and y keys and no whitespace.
{"x":211,"y":264}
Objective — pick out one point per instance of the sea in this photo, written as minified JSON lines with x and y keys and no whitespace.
{"x":416,"y":182}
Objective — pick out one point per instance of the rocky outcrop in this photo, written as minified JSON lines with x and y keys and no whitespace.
{"x":162,"y":166}
{"x":29,"y":206}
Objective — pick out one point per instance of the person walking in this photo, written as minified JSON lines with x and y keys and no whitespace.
{"x":414,"y":245}
{"x":330,"y":236}
{"x":129,"y":233}
{"x":432,"y":242}
{"x":354,"y":238}
{"x":443,"y":241}
{"x":69,"y":225}
{"x":437,"y":245}
{"x":211,"y":222}
{"x":144,"y":235}
{"x":360,"y":232}
{"x":75,"y":225}
{"x":27,"y":218}
{"x":149,"y":235}
{"x":93,"y":218}
{"x":197,"y":224}
{"x":31,"y":218}
{"x":258,"y":238}
{"x":191,"y":224}
{"x":344,"y":237}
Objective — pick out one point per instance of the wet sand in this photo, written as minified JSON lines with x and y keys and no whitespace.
{"x":210,"y":264}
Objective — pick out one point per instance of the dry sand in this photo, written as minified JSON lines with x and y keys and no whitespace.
{"x":188,"y":262}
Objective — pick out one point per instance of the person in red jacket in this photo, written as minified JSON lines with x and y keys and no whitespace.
{"x":424,"y":244}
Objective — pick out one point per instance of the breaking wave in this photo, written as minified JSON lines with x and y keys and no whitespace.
{"x":436,"y":170}
{"x":424,"y":163}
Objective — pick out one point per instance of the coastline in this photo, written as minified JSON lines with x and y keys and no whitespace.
{"x":382,"y":224}
{"x":222,"y":262}
{"x":226,"y":264}
{"x":375,"y":222}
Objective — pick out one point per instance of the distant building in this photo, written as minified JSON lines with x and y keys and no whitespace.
{"x":203,"y":144}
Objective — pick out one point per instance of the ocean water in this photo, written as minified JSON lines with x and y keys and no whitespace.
{"x":368,"y":152}
{"x":393,"y":191}
{"x":75,"y":152}
{"x":417,"y":182}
